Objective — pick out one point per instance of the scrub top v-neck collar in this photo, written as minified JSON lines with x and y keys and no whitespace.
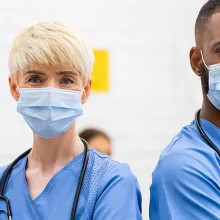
{"x":48,"y":187}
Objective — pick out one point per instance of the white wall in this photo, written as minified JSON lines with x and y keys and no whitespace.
{"x":153,"y":91}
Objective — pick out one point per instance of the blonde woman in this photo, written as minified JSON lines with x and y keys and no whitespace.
{"x":60,"y":177}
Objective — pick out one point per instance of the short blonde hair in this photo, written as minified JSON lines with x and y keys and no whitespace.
{"x":51,"y":45}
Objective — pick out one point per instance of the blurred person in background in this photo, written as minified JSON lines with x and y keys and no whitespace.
{"x":97,"y":139}
{"x":60,"y":177}
{"x":186,"y":181}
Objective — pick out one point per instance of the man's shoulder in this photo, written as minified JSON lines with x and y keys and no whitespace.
{"x":188,"y":158}
{"x":2,"y":170}
{"x":187,"y":139}
{"x":188,"y":148}
{"x":179,"y":168}
{"x":176,"y":162}
{"x":183,"y":176}
{"x":190,"y":142}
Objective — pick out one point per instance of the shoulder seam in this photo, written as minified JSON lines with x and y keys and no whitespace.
{"x":177,"y":153}
{"x":107,"y":157}
{"x":180,"y":136}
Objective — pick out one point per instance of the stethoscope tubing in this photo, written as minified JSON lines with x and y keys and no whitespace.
{"x":202,"y":132}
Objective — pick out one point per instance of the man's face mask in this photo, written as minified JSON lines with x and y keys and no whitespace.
{"x":214,"y":83}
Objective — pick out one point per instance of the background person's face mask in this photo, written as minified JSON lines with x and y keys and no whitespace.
{"x":214,"y":83}
{"x":49,"y":112}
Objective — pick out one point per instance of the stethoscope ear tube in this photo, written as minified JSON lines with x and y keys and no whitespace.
{"x":202,"y":132}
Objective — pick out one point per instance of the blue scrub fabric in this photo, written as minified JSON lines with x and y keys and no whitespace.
{"x":110,"y":191}
{"x":186,"y":180}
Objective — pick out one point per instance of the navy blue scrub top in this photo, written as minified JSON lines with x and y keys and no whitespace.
{"x":186,"y":180}
{"x":110,"y":191}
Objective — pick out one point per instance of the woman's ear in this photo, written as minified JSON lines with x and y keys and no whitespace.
{"x":86,"y":91}
{"x":195,"y":60}
{"x":13,"y":87}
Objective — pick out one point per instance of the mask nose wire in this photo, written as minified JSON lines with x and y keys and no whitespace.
{"x":204,"y":60}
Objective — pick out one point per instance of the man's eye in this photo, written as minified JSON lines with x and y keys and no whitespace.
{"x":217,"y":50}
{"x":66,"y":81}
{"x":34,"y":80}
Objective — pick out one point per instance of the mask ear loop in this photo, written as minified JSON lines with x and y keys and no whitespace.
{"x":19,"y":90}
{"x":83,"y":93}
{"x":204,"y":60}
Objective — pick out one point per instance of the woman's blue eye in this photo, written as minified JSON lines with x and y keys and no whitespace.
{"x":66,"y":81}
{"x":34,"y":80}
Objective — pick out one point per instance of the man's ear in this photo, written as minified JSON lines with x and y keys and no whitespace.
{"x":86,"y":91}
{"x":13,"y":87}
{"x":195,"y":60}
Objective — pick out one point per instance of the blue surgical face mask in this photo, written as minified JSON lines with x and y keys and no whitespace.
{"x":214,"y":83}
{"x":49,"y":112}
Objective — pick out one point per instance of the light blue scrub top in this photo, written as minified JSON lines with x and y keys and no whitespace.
{"x":110,"y":191}
{"x":186,"y":180}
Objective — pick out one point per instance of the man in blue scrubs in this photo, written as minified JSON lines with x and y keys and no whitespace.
{"x":50,"y":68}
{"x":186,"y":180}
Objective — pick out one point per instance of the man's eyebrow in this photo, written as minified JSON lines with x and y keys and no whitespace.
{"x":34,"y":72}
{"x":68,"y":73}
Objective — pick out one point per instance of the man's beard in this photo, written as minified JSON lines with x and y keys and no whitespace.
{"x":204,"y":78}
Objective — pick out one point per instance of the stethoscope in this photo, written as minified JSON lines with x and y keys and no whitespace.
{"x":79,"y":186}
{"x":202,"y":132}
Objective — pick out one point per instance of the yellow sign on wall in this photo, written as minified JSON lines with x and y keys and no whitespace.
{"x":100,"y":74}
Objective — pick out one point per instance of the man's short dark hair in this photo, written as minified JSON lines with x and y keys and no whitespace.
{"x":210,"y":8}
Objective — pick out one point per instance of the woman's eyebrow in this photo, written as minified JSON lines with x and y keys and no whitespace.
{"x":59,"y":73}
{"x":68,"y":73}
{"x":34,"y":72}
